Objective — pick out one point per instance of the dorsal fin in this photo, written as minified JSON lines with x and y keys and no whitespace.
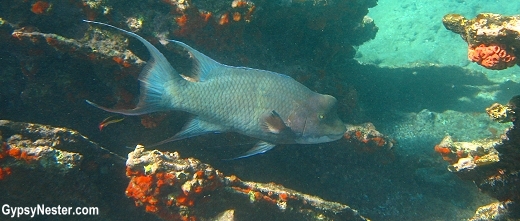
{"x":203,"y":63}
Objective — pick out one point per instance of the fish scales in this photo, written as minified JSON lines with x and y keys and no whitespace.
{"x":269,"y":106}
{"x":238,"y":96}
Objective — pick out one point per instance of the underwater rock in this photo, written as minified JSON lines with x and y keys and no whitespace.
{"x":505,"y":113}
{"x":492,"y":164}
{"x":365,"y":139}
{"x":493,"y":39}
{"x":366,"y":136}
{"x":53,"y":149}
{"x":51,"y":166}
{"x":174,"y":188}
{"x":68,"y":169}
{"x":242,"y":26}
{"x":467,"y":155}
{"x":499,"y":112}
{"x":466,"y":163}
{"x":493,"y":211}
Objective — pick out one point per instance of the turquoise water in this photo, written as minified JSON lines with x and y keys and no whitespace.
{"x":411,"y":33}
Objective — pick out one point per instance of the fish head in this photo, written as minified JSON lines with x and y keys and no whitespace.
{"x":316,"y":120}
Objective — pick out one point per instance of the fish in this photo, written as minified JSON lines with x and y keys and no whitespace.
{"x":107,"y":121}
{"x":271,"y":107}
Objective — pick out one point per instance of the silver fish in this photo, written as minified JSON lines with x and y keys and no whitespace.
{"x":269,"y":106}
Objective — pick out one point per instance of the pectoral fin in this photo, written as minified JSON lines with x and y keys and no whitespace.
{"x":273,"y":123}
{"x":259,"y":148}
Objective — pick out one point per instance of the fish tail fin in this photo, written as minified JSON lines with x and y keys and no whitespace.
{"x":154,"y":78}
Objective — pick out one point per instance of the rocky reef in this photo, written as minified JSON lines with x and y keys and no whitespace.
{"x":65,"y":168}
{"x":52,"y":61}
{"x":174,"y":188}
{"x":493,"y":39}
{"x":44,"y":165}
{"x":492,"y":164}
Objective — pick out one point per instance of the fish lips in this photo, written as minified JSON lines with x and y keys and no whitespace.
{"x":319,"y":139}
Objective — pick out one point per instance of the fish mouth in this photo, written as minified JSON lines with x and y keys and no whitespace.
{"x":336,"y":136}
{"x":319,"y":139}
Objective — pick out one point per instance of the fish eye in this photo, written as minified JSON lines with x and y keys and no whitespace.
{"x":321,"y":116}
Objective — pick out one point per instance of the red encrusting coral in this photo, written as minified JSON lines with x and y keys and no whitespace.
{"x":4,"y":172}
{"x":185,"y":189}
{"x":40,"y":7}
{"x":16,"y":153}
{"x":446,"y":153}
{"x":442,"y":150}
{"x":3,"y":154}
{"x":452,"y":152}
{"x":19,"y":154}
{"x":492,"y":56}
{"x":146,"y":190}
{"x":367,"y":140}
{"x":218,"y":29}
{"x":121,"y":62}
{"x":169,"y":196}
{"x":3,"y":150}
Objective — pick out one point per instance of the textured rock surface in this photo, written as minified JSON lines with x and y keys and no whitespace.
{"x":174,"y":188}
{"x":493,"y":39}
{"x":57,"y":166}
{"x":491,"y":164}
{"x":65,"y":168}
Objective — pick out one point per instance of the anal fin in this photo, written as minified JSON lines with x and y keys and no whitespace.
{"x":194,"y":127}
{"x":259,"y":148}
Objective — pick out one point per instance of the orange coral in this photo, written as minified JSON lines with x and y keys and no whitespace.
{"x":492,"y":56}
{"x":121,"y":62}
{"x":199,"y":174}
{"x":236,"y":16}
{"x":358,"y":134}
{"x":283,"y":196}
{"x":3,"y":150}
{"x":442,"y":150}
{"x":40,"y":7}
{"x":163,"y":193}
{"x":15,"y":153}
{"x":239,"y":3}
{"x":4,"y":172}
{"x":182,"y":20}
{"x":379,"y":141}
{"x":367,"y":140}
{"x":205,"y":16}
{"x":139,"y":188}
{"x":224,"y":19}
{"x":446,"y":154}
